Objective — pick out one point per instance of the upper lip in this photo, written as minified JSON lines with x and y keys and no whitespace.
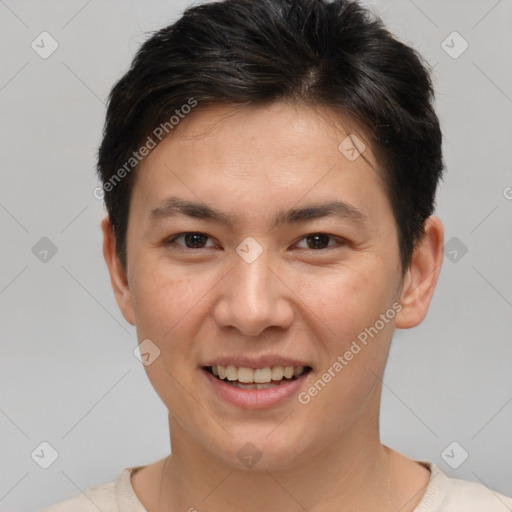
{"x":255,"y":362}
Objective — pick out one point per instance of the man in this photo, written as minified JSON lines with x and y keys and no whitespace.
{"x":269,"y":170}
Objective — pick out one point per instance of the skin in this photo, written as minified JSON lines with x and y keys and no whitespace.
{"x":294,"y":300}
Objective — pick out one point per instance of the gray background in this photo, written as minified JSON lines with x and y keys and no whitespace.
{"x":68,"y":373}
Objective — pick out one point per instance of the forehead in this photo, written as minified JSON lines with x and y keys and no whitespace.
{"x":281,"y":130}
{"x":259,"y":156}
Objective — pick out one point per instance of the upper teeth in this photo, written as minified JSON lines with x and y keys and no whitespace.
{"x":260,"y":375}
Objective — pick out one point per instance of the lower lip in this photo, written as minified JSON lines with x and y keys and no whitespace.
{"x":255,"y":398}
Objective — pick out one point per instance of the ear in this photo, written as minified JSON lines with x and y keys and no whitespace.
{"x":118,"y":276}
{"x":421,"y":277}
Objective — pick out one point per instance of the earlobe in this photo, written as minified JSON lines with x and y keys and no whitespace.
{"x":421,"y":277}
{"x":118,"y":276}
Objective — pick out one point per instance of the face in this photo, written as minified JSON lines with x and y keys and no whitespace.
{"x":254,"y":243}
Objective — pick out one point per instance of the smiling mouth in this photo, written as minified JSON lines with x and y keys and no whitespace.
{"x":259,"y":378}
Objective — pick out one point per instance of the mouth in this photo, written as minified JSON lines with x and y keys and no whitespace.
{"x":257,"y":378}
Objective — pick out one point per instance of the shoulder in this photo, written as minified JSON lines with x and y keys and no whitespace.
{"x":117,"y":496}
{"x":446,"y":494}
{"x":474,"y":496}
{"x":102,"y":497}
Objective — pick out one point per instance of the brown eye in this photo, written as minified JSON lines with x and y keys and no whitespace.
{"x":191,"y":240}
{"x":195,"y":240}
{"x":317,"y":241}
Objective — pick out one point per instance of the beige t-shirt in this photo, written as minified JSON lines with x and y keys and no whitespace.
{"x":443,"y":494}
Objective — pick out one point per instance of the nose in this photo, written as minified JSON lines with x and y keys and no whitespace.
{"x":253,"y":298}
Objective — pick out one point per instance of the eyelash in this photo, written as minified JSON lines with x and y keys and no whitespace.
{"x":339,"y":241}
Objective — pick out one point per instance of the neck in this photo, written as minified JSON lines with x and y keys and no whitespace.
{"x":353,"y":474}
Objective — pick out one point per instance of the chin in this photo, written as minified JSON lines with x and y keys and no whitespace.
{"x":262,"y":453}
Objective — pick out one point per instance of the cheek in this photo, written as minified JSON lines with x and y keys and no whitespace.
{"x":345,"y":299}
{"x":164,"y":303}
{"x":347,"y":305}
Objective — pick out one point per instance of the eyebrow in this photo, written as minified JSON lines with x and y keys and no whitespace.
{"x":174,"y":206}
